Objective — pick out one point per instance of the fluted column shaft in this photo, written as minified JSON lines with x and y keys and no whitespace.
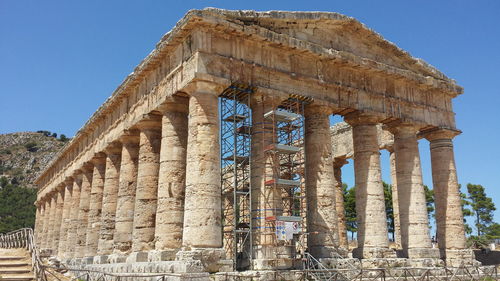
{"x":51,"y":220}
{"x":202,"y":209}
{"x":266,"y":200}
{"x":72,"y":245}
{"x":147,"y":184}
{"x":68,"y":190}
{"x":47,"y":225}
{"x":339,"y":202}
{"x":449,"y":216}
{"x":415,"y":239}
{"x":126,"y":194}
{"x":58,"y":215}
{"x":39,"y":222}
{"x":83,"y":213}
{"x":109,"y":199}
{"x":172,"y":179}
{"x":395,"y":200}
{"x":320,"y":183}
{"x":370,"y":205}
{"x":95,"y":206}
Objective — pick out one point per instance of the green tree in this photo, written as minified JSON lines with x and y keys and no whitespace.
{"x":482,"y":206}
{"x":63,"y":138}
{"x":350,"y":209}
{"x":389,"y":209}
{"x":493,"y":231}
{"x":16,"y":207}
{"x":429,"y":201}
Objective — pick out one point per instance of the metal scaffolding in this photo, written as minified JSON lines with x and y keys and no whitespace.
{"x":285,"y":173}
{"x":235,"y":133}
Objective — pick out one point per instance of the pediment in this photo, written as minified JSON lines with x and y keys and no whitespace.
{"x":332,"y":31}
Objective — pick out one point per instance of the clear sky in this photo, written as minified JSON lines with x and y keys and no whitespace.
{"x":59,"y":60}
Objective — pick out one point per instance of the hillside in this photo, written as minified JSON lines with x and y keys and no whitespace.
{"x":24,"y":155}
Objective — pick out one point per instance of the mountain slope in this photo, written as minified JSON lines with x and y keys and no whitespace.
{"x":23,"y":155}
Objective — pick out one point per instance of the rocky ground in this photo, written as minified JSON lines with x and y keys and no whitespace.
{"x":24,"y":155}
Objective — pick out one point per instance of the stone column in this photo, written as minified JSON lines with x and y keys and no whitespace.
{"x":172,"y":178}
{"x":126,"y":193}
{"x":373,"y":241}
{"x":322,"y":223}
{"x":202,"y":209}
{"x":395,"y":201}
{"x":339,"y":202}
{"x":47,"y":217}
{"x":415,"y":239}
{"x":109,"y":199}
{"x":65,"y":223}
{"x":95,"y":206}
{"x":449,"y":216}
{"x":38,"y":222}
{"x":58,"y":214}
{"x":147,"y":184}
{"x":72,"y":245}
{"x":83,"y":206}
{"x":266,"y":200}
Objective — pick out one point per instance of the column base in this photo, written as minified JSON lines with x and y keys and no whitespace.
{"x":341,"y":263}
{"x":163,"y":255}
{"x":205,"y":260}
{"x":272,"y":264}
{"x":104,"y":259}
{"x":369,"y":253}
{"x":117,"y":258}
{"x":456,"y":258}
{"x":425,"y":262}
{"x":328,"y":252}
{"x":137,"y":257}
{"x":383,"y":262}
{"x":422,"y":253}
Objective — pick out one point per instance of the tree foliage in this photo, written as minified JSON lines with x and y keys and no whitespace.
{"x":429,"y":202}
{"x":350,"y":209}
{"x":16,"y":206}
{"x":482,"y":207}
{"x":389,"y":209}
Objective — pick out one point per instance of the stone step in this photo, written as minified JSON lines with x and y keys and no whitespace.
{"x":16,"y":270}
{"x":18,"y":278}
{"x":2,"y":258}
{"x":13,"y":264}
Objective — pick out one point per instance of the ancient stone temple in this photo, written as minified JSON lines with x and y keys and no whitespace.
{"x":216,"y":153}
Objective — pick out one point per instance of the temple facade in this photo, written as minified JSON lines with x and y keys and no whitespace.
{"x":148,"y":179}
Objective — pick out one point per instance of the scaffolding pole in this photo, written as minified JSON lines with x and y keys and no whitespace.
{"x":236,"y":123}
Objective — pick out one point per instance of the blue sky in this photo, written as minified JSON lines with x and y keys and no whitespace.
{"x":59,"y":60}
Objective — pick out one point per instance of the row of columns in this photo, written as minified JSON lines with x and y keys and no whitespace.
{"x":157,"y":187}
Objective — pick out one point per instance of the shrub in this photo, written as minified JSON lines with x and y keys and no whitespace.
{"x":31,"y":146}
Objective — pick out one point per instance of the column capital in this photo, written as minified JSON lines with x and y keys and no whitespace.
{"x":60,"y":187}
{"x":150,"y":121}
{"x":320,"y":109}
{"x":98,"y":159}
{"x":203,"y":87}
{"x":113,"y":148}
{"x":69,"y":180}
{"x":440,"y":133}
{"x":175,"y":103}
{"x":129,"y":136}
{"x":338,"y":162}
{"x":398,"y":128}
{"x":264,"y":98}
{"x":87,"y":167}
{"x":362,"y":118}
